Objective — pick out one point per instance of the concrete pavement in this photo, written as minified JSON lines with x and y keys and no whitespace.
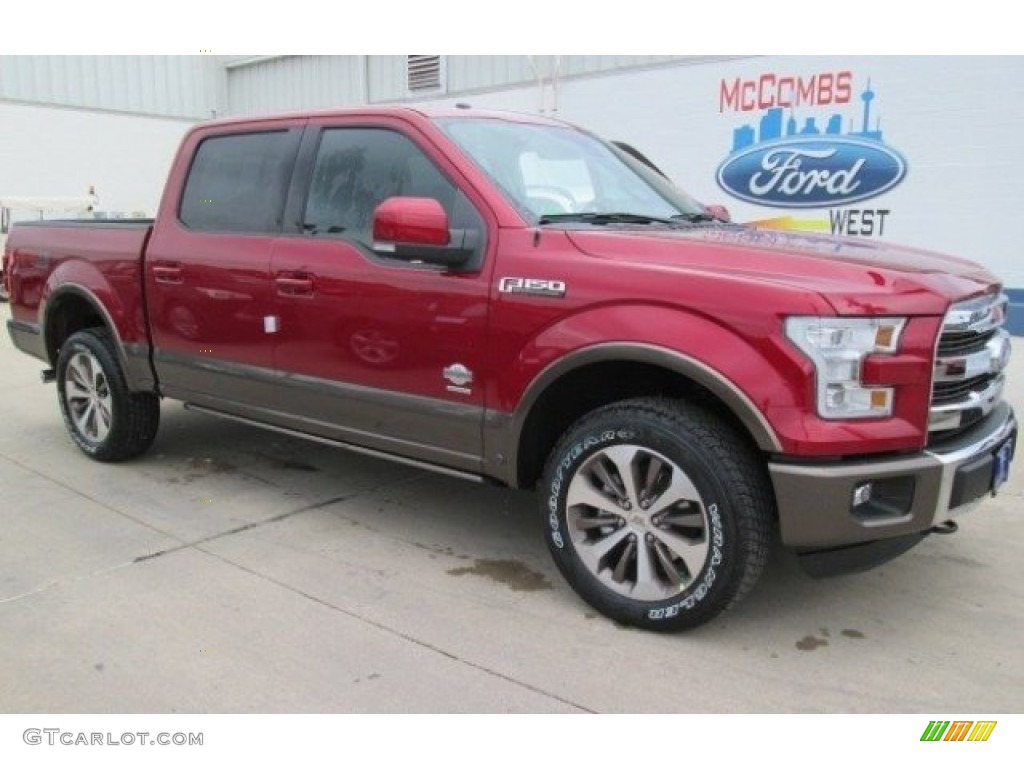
{"x":234,"y":570}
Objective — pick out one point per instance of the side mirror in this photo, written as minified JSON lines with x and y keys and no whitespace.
{"x":410,"y":220}
{"x":416,"y":229}
{"x":720,"y":212}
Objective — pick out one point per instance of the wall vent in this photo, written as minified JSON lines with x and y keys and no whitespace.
{"x":424,"y":73}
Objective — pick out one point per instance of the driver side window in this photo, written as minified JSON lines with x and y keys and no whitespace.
{"x":357,"y":169}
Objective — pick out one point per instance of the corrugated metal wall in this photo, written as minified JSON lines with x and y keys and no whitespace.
{"x":468,"y":74}
{"x":189,"y":87}
{"x":195,"y":87}
{"x":474,"y":73}
{"x":385,"y":78}
{"x":274,"y":84}
{"x":268,"y":84}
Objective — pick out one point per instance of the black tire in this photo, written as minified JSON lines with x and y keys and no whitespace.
{"x":105,"y":419}
{"x":691,"y":558}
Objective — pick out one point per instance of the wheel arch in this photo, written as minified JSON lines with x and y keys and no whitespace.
{"x":73,"y":308}
{"x":604,"y":373}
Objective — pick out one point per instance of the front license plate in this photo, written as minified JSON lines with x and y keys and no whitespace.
{"x":1001,"y":464}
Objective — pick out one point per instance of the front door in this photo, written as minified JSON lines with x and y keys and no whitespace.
{"x":384,"y":353}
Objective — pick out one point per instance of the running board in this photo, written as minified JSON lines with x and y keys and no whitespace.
{"x":340,"y":444}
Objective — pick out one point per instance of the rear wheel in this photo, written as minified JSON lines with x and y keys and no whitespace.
{"x":658,"y":513}
{"x":104,"y":418}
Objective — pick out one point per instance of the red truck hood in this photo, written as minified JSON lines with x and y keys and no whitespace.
{"x":855,"y":276}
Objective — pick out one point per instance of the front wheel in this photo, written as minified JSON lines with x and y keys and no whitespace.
{"x":106,"y":420}
{"x":658,"y":513}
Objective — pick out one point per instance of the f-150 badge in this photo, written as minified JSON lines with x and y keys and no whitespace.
{"x":532,"y":286}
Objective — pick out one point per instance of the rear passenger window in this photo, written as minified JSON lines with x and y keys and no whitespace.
{"x":357,"y":169}
{"x":238,"y":183}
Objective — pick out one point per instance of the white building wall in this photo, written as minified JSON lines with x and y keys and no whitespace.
{"x":60,"y":152}
{"x":284,"y":83}
{"x":279,"y":83}
{"x":171,"y":86}
{"x":467,"y":74}
{"x":386,"y":78}
{"x":269,"y":84}
{"x":112,"y":122}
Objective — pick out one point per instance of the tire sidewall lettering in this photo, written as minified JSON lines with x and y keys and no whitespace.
{"x":710,"y":573}
{"x":556,"y":519}
{"x":571,"y":455}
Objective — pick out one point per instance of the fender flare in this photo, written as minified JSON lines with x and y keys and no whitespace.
{"x":134,"y":381}
{"x":738,"y":402}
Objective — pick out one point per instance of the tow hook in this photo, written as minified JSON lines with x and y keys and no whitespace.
{"x":946,"y":528}
{"x":48,"y":376}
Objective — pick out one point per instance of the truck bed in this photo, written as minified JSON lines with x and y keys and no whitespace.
{"x":102,"y":258}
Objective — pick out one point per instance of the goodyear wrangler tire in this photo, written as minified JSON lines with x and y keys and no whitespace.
{"x":658,"y":513}
{"x":104,"y":418}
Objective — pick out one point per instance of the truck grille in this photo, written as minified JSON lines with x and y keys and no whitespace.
{"x":946,"y":392}
{"x":964,"y":342}
{"x":972,"y":352}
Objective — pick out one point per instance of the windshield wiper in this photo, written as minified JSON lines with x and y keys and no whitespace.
{"x":694,"y":217}
{"x":605,"y":218}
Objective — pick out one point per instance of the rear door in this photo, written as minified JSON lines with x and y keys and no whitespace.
{"x":208,"y":280}
{"x":380,"y":352}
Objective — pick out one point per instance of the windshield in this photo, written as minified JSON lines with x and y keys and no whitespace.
{"x":549,"y":171}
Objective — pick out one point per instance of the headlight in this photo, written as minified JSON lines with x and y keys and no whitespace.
{"x":837,"y":346}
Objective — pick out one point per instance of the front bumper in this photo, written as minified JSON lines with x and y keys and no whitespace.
{"x":816,"y":500}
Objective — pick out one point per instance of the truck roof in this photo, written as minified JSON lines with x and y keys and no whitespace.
{"x":402,"y":111}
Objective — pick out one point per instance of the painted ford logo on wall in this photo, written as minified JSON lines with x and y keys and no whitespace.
{"x":811,"y":172}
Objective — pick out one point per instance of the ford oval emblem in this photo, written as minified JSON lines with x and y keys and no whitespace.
{"x":811,"y":172}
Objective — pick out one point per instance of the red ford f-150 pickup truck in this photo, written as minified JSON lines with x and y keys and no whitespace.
{"x":506,"y":297}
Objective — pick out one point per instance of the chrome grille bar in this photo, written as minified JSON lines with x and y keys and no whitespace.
{"x":970,"y":357}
